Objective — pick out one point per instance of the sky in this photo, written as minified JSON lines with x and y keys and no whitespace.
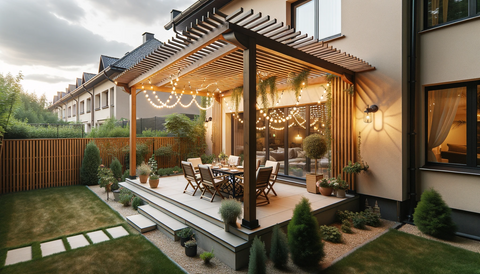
{"x":52,"y":42}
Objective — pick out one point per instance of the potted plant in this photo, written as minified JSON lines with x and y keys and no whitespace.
{"x":105,"y":178}
{"x":116,"y":191}
{"x":230,"y":210}
{"x":355,"y":168}
{"x":340,"y":186}
{"x":185,"y":235}
{"x":153,"y":180}
{"x":315,"y":147}
{"x":222,"y":156}
{"x":191,"y":248}
{"x":207,"y":256}
{"x":125,"y":197}
{"x":326,"y":186}
{"x":144,"y":171}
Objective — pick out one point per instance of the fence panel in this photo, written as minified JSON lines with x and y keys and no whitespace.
{"x":41,"y":163}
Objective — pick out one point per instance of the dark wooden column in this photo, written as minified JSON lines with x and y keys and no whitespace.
{"x":133,"y":132}
{"x":249,"y":98}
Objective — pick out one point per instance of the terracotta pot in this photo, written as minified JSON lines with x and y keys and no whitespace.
{"x":143,"y":178}
{"x":153,"y":183}
{"x":340,"y":193}
{"x":326,"y":191}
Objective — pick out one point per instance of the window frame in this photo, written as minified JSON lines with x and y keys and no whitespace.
{"x":471,"y":128}
{"x":472,"y":12}
{"x":81,"y":109}
{"x":104,"y":99}
{"x":97,"y":101}
{"x":316,"y":19}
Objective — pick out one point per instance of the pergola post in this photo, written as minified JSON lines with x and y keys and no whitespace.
{"x":249,"y":115}
{"x":133,"y":132}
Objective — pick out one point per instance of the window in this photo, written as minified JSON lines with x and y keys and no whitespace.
{"x":112,"y":97}
{"x":89,"y":105}
{"x":445,"y":11}
{"x":82,"y":107}
{"x":97,"y":102}
{"x":74,"y":110}
{"x":69,"y":112}
{"x":319,"y":18}
{"x":453,"y":124}
{"x":105,"y":99}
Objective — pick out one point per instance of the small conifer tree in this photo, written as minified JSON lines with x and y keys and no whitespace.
{"x":432,"y":216}
{"x":91,"y":161}
{"x":304,"y":239}
{"x":279,"y":247}
{"x":258,"y":257}
{"x":116,"y":168}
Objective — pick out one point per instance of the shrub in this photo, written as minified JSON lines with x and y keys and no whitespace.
{"x":344,"y":215}
{"x":359,"y":221}
{"x":191,"y":243}
{"x":153,"y":164}
{"x":161,"y":172}
{"x":144,"y":169}
{"x":154,"y":133}
{"x":207,"y":256}
{"x":331,"y":234}
{"x":164,"y":151}
{"x":168,"y":171}
{"x":303,"y":229}
{"x":116,"y":168}
{"x":432,"y":216}
{"x":105,"y":176}
{"x":258,"y":257}
{"x":279,"y":247}
{"x":230,"y":210}
{"x":371,"y":218}
{"x":140,"y":152}
{"x":125,"y":175}
{"x":91,"y":161}
{"x":346,"y":226}
{"x":207,"y":159}
{"x":125,"y":196}
{"x":185,"y":233}
{"x":176,"y":170}
{"x":136,"y":202}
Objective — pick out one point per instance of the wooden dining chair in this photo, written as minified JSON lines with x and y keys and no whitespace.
{"x":193,"y":179}
{"x":234,"y":160}
{"x":211,"y":183}
{"x":273,"y":177}
{"x":195,"y":162}
{"x":262,"y":179}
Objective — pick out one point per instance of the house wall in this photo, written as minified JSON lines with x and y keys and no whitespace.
{"x":446,"y":57}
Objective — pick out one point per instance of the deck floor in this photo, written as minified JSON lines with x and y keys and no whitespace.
{"x":279,"y":210}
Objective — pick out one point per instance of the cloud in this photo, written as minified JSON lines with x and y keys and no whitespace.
{"x":31,"y":34}
{"x":52,"y":79}
{"x":65,"y":9}
{"x":147,"y":12}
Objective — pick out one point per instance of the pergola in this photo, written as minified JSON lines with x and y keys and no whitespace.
{"x":229,"y":50}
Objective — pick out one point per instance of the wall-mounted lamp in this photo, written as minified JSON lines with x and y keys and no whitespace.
{"x":368,"y":113}
{"x":208,"y":120}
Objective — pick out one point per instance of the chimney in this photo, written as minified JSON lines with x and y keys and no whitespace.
{"x":174,"y":14}
{"x":147,"y":36}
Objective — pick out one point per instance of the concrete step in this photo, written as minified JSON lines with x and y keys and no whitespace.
{"x":141,"y":223}
{"x":168,"y":225}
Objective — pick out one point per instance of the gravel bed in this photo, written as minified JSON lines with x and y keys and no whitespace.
{"x":195,"y":265}
{"x":460,"y":242}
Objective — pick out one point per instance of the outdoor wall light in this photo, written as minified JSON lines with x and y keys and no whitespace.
{"x":208,"y":120}
{"x":368,"y":113}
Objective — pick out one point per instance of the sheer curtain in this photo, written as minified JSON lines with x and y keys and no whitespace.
{"x":442,"y":108}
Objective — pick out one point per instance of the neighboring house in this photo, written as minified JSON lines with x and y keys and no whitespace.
{"x":426,"y":133}
{"x":95,"y":97}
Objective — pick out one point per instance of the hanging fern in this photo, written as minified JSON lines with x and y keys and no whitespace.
{"x":350,"y":90}
{"x":273,"y":88}
{"x":236,"y":97}
{"x":296,"y":81}
{"x":262,"y":91}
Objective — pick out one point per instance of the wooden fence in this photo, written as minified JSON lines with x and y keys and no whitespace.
{"x":42,"y":163}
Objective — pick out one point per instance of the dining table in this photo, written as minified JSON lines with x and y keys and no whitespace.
{"x":232,"y":188}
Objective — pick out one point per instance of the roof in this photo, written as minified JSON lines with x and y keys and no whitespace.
{"x":105,"y":62}
{"x":195,"y":11}
{"x":79,"y":82}
{"x":87,"y":76}
{"x":136,"y":55}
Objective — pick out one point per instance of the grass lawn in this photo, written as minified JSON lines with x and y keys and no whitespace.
{"x":130,"y":254}
{"x":32,"y":217}
{"x":398,"y":252}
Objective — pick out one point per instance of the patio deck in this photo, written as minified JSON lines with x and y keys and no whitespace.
{"x":172,"y":210}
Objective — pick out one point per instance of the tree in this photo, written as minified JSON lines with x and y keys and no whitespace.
{"x":91,"y":161}
{"x":432,"y":216}
{"x":315,"y":147}
{"x":116,"y":168}
{"x":178,"y":124}
{"x":10,"y":89}
{"x":304,"y":237}
{"x":258,"y":257}
{"x":279,"y":247}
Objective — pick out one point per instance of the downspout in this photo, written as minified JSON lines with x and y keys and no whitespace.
{"x":76,"y":110}
{"x":412,"y":169}
{"x":92,"y":110}
{"x":108,"y":78}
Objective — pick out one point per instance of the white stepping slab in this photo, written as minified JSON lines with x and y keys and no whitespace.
{"x":19,"y":255}
{"x":117,"y":232}
{"x":141,"y":223}
{"x":98,"y":236}
{"x":53,"y":247}
{"x":77,"y":241}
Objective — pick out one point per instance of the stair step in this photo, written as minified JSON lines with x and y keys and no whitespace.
{"x":141,"y":223}
{"x":170,"y":225}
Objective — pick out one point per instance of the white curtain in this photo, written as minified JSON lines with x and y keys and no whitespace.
{"x":442,"y":108}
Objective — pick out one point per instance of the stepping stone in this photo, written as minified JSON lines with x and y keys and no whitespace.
{"x":117,"y":232}
{"x":98,"y":236}
{"x":49,"y":248}
{"x":77,"y":241}
{"x":19,"y":255}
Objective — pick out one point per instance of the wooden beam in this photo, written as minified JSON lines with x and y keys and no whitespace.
{"x":249,"y":94}
{"x":133,"y":132}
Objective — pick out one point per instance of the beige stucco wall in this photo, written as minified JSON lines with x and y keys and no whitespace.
{"x":449,"y":54}
{"x":275,"y":8}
